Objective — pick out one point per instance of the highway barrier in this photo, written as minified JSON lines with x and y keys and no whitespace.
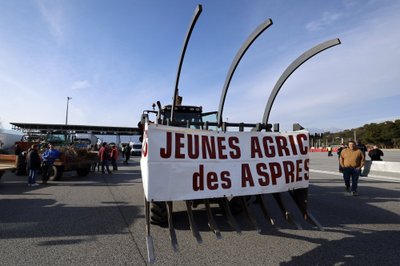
{"x":372,"y":167}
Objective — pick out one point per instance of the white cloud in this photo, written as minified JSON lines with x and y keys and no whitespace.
{"x":8,"y":82}
{"x":327,"y":19}
{"x":80,"y":84}
{"x":52,"y":12}
{"x":349,"y":3}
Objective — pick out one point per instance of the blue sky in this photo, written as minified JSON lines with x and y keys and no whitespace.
{"x":115,"y":58}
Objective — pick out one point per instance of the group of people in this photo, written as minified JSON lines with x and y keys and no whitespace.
{"x":45,"y":162}
{"x":352,"y":160}
{"x":35,"y":163}
{"x":107,"y":154}
{"x":110,"y":154}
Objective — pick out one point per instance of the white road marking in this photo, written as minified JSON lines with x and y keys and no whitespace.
{"x":369,"y":177}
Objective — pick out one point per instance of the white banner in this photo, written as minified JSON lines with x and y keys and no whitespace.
{"x":183,"y":164}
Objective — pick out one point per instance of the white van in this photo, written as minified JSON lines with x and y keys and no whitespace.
{"x":136,"y":148}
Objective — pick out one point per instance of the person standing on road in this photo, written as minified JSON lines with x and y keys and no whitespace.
{"x":17,"y":149}
{"x":351,"y":160}
{"x":49,"y":156}
{"x":104,"y":156}
{"x":33,"y":165}
{"x":114,"y":157}
{"x":375,"y":154}
{"x":341,"y":148}
{"x":329,"y":149}
{"x":363,"y":149}
{"x":123,"y":150}
{"x":127,"y":153}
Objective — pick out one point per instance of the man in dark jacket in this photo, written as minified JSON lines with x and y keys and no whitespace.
{"x":127,"y":153}
{"x":341,"y":148}
{"x":361,"y":147}
{"x":375,"y":154}
{"x":33,"y":165}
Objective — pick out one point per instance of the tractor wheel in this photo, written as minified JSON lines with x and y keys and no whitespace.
{"x":83,"y":171}
{"x":159,"y":213}
{"x":236,"y":204}
{"x":56,"y":173}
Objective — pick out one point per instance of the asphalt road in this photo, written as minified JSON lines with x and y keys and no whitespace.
{"x":99,"y":220}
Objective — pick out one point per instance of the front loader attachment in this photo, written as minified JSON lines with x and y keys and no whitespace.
{"x":149,"y":238}
{"x":160,"y":201}
{"x":211,"y":222}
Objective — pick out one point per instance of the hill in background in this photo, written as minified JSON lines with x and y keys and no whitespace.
{"x":385,"y":135}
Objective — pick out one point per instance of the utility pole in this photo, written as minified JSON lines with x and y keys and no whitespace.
{"x":66,"y":113}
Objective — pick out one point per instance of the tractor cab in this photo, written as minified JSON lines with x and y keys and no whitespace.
{"x":184,"y":115}
{"x":193,"y":115}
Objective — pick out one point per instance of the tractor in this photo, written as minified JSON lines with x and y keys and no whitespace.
{"x":72,"y":158}
{"x":210,"y":126}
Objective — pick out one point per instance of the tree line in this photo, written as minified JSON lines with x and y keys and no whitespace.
{"x":385,"y":135}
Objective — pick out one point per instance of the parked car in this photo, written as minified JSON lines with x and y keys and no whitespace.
{"x":136,"y":149}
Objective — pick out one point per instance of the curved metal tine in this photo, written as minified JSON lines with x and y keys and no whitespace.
{"x":211,"y":222}
{"x":149,"y":238}
{"x":291,"y":68}
{"x":172,"y":234}
{"x":311,"y":218}
{"x":285,"y":212}
{"x":229,"y":216}
{"x":263,"y":207}
{"x":252,"y":220}
{"x":300,"y":198}
{"x":249,"y":41}
{"x":196,"y":15}
{"x":192,"y":223}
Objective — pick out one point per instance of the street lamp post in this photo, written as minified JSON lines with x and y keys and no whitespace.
{"x":66,"y":113}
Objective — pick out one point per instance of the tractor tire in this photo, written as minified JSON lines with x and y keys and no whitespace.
{"x":83,"y":171}
{"x":159,"y":215}
{"x":236,"y":204}
{"x":56,"y":173}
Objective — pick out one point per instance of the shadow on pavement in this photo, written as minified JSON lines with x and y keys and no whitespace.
{"x":29,"y":218}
